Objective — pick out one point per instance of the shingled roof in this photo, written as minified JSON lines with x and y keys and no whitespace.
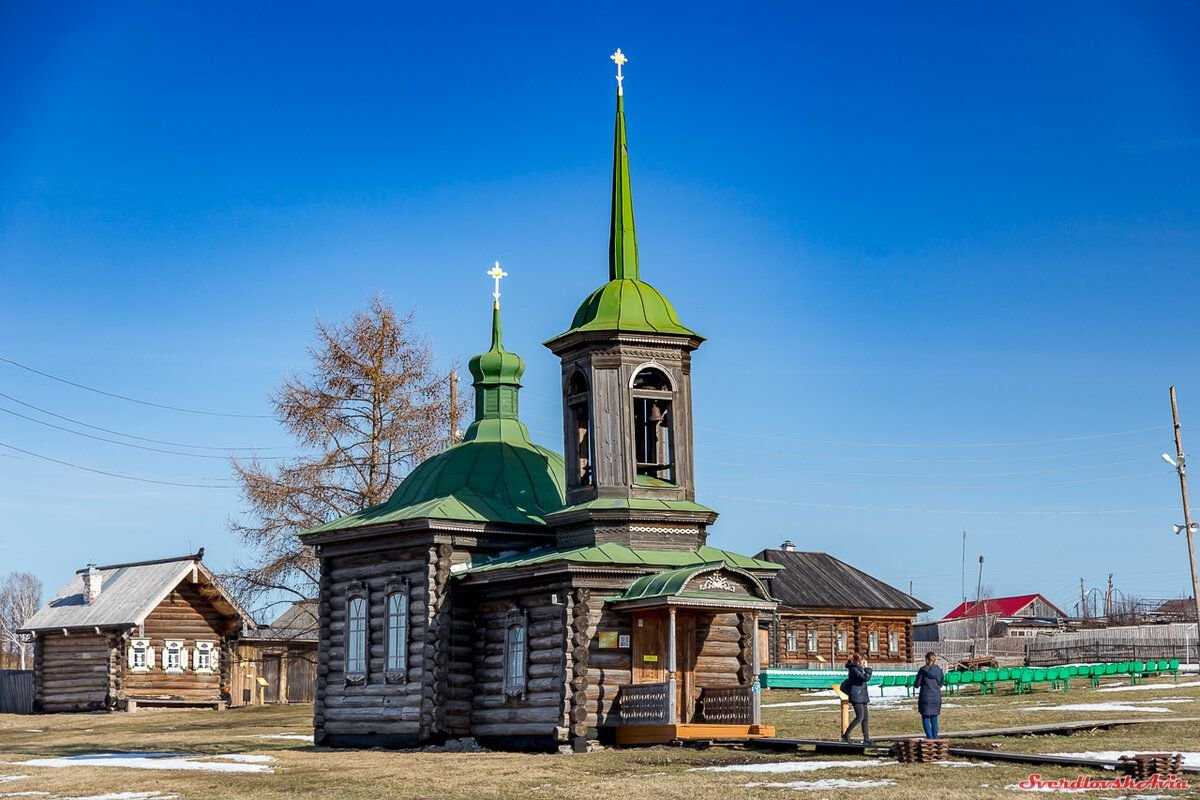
{"x":818,"y":580}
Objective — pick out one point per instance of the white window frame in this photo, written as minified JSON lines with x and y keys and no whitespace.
{"x":516,"y":653}
{"x":811,"y":641}
{"x":396,"y":628}
{"x":873,"y":642}
{"x":357,"y":641}
{"x":174,"y":647}
{"x":893,"y":642}
{"x":207,"y":650}
{"x":841,"y":640}
{"x":789,"y":642}
{"x":141,"y":646}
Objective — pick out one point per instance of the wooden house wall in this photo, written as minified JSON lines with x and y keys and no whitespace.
{"x":187,"y":616}
{"x":607,"y":669}
{"x":296,"y":682}
{"x":376,"y":711}
{"x":74,"y":673}
{"x":539,"y":716}
{"x":857,"y":628}
{"x":721,"y":650}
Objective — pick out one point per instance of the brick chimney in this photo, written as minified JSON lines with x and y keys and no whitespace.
{"x":93,"y":581}
{"x":787,"y":545}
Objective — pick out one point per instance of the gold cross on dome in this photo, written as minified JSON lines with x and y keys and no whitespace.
{"x":620,"y":60}
{"x":496,"y":273}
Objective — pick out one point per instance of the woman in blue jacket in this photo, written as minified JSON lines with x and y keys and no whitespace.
{"x":929,"y":698}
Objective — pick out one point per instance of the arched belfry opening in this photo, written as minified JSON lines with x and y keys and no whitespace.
{"x":579,"y":420}
{"x":653,"y":427}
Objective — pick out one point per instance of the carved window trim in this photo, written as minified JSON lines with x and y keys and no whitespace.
{"x":204,"y":651}
{"x":811,"y":641}
{"x":842,"y":640}
{"x":516,"y":664}
{"x":174,"y":656}
{"x":141,"y":646}
{"x":355,"y":593}
{"x":397,"y":588}
{"x":872,"y":642}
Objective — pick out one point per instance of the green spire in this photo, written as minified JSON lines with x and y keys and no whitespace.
{"x":497,"y":372}
{"x":622,"y":238}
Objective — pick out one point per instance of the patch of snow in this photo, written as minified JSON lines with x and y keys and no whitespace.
{"x":165,"y":761}
{"x":299,"y":737}
{"x":1113,"y":707}
{"x":790,"y":766}
{"x":824,"y":783}
{"x":126,"y":796}
{"x":1013,"y":787}
{"x":1150,"y":687}
{"x":964,"y":763}
{"x":246,"y":758}
{"x":1191,"y":759}
{"x":24,"y":794}
{"x":11,"y":778}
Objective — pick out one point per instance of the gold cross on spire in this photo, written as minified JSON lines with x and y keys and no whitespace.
{"x":496,"y":273}
{"x":620,"y":60}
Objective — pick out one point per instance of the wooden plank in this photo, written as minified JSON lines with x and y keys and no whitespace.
{"x":661,"y":734}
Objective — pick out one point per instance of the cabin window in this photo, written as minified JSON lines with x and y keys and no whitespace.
{"x":141,"y":655}
{"x":790,"y":645}
{"x":653,"y":427}
{"x":515,"y":654}
{"x":841,"y":641}
{"x":173,"y":655}
{"x":396,"y":666}
{"x":873,"y":642}
{"x":203,"y":657}
{"x":579,"y":420}
{"x":356,"y":638}
{"x":893,"y":642}
{"x":812,"y":641}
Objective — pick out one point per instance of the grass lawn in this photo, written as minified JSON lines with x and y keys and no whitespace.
{"x":293,"y":767}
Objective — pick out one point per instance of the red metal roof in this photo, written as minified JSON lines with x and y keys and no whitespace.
{"x":1003,"y":606}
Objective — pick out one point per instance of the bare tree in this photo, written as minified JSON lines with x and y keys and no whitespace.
{"x":20,"y":596}
{"x":372,"y":409}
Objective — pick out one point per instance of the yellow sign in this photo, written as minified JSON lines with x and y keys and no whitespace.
{"x":609,"y":639}
{"x":650,"y":658}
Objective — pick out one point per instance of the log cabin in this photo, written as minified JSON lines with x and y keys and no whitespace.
{"x":144,"y":633}
{"x":829,"y":609}
{"x":530,"y":601}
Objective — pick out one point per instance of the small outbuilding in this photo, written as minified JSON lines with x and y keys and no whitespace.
{"x":829,"y":609}
{"x":159,"y":632}
{"x":277,"y":663}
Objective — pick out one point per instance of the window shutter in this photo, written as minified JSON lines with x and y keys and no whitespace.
{"x":130,"y":654}
{"x":149,"y":658}
{"x":213,"y":656}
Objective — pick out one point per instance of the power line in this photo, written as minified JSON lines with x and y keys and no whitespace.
{"x":1020,"y":443}
{"x":131,"y":444}
{"x":132,"y":399}
{"x":117,"y":474}
{"x":902,"y":509}
{"x":130,"y":435}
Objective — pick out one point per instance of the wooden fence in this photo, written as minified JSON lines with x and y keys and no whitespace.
{"x":16,"y":691}
{"x":1049,"y":652}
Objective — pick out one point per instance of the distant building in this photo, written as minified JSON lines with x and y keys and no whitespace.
{"x":142,"y":633}
{"x":997,"y":617}
{"x":829,"y":609}
{"x":277,"y":663}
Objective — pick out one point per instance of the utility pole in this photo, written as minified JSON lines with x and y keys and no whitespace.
{"x":1108,"y":606}
{"x":1083,"y":599}
{"x":964,"y":567}
{"x":453,"y":407}
{"x":1181,"y":469}
{"x":978,"y":598}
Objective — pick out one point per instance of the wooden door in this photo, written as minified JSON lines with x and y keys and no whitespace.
{"x":649,"y":648}
{"x":686,"y":690}
{"x":301,"y":677}
{"x":270,"y":673}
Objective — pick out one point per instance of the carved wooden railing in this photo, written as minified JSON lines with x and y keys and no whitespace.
{"x":644,"y":703}
{"x":726,"y":705}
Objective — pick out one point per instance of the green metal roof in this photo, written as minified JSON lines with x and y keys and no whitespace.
{"x":639,"y":504}
{"x":619,"y":555}
{"x":673,"y":582}
{"x":626,"y":302}
{"x":496,"y":474}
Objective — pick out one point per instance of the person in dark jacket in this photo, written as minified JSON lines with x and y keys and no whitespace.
{"x":929,"y":698}
{"x":855,"y":686}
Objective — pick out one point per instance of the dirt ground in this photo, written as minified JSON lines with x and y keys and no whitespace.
{"x":262,"y":753}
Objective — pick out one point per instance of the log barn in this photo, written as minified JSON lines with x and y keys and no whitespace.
{"x":534,"y":601}
{"x":829,"y":609}
{"x":159,"y":632}
{"x":277,"y":663}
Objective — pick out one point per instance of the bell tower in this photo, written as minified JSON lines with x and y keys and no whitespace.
{"x":627,"y":398}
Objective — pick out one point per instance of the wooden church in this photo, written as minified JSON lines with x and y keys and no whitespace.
{"x":529,"y":601}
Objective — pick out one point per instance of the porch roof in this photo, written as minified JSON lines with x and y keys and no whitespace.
{"x":671,"y":588}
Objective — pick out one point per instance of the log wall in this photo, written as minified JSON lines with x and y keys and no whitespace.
{"x":73,"y":673}
{"x":187,"y":616}
{"x":857,"y":629}
{"x":375,"y":712}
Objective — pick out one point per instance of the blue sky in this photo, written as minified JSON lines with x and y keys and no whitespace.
{"x":946,"y":257}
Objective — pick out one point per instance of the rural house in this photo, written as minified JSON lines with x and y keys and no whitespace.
{"x":531,"y":602}
{"x":277,"y":663}
{"x":828,"y":610}
{"x":144,"y":633}
{"x":996,"y":617}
